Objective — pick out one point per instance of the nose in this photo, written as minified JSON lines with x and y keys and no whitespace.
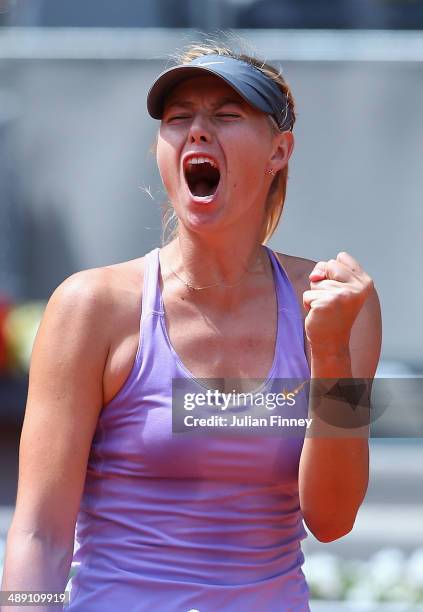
{"x":199,"y":130}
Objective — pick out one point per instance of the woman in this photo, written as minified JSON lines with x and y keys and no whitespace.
{"x":177,"y":523}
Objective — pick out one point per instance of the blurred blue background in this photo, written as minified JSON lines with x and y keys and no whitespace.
{"x":79,"y":188}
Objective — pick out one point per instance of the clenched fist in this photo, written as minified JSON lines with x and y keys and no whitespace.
{"x":338,"y":289}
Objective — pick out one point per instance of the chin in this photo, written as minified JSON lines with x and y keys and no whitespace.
{"x":201,"y":217}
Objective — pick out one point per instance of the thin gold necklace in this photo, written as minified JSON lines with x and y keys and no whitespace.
{"x":214,"y":284}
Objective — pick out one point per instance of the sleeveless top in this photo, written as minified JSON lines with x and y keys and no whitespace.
{"x":198,"y":524}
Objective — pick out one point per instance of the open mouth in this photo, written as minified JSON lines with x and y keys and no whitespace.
{"x":202,"y":176}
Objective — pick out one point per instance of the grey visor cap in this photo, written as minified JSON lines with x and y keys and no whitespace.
{"x":249,"y":82}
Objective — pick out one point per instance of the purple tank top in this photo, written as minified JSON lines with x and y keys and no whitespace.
{"x":170,"y":524}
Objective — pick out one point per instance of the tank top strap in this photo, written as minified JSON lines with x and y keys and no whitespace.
{"x":151,"y":286}
{"x":291,"y":360}
{"x":287,"y":298}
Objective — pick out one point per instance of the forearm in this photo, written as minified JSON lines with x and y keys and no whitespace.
{"x":32,"y":564}
{"x":334,"y":464}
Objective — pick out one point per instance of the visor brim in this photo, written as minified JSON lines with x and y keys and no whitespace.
{"x":172,"y":77}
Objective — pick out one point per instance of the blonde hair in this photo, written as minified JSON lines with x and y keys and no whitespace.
{"x":277,"y":191}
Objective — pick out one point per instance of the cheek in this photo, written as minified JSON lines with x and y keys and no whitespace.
{"x":167,"y":162}
{"x":247,"y":166}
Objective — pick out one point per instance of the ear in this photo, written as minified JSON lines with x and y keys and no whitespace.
{"x":283,"y":145}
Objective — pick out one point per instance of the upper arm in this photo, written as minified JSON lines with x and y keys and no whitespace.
{"x":63,"y":405}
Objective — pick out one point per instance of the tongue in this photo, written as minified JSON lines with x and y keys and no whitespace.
{"x":202,"y":188}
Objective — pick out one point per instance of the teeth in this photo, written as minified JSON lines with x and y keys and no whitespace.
{"x":202,"y":160}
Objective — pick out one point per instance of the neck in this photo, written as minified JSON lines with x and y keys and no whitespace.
{"x":218,"y":262}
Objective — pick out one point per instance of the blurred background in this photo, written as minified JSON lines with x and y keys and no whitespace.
{"x":79,"y":188}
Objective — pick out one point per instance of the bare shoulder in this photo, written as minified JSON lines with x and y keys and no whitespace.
{"x":122,"y":288}
{"x":102,"y":284}
{"x":103,"y":291}
{"x":297,"y":268}
{"x":108,"y":299}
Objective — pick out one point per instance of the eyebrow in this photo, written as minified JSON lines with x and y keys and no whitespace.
{"x":221,"y":102}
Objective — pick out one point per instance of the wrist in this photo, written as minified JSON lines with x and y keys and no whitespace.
{"x":329,"y":361}
{"x":330,"y":351}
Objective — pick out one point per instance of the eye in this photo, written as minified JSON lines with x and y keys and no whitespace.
{"x":175,"y":118}
{"x":228,"y":115}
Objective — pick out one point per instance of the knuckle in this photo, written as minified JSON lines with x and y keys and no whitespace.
{"x":369,"y":282}
{"x":344,"y":294}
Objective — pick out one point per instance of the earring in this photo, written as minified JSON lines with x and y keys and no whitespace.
{"x":271,"y":171}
